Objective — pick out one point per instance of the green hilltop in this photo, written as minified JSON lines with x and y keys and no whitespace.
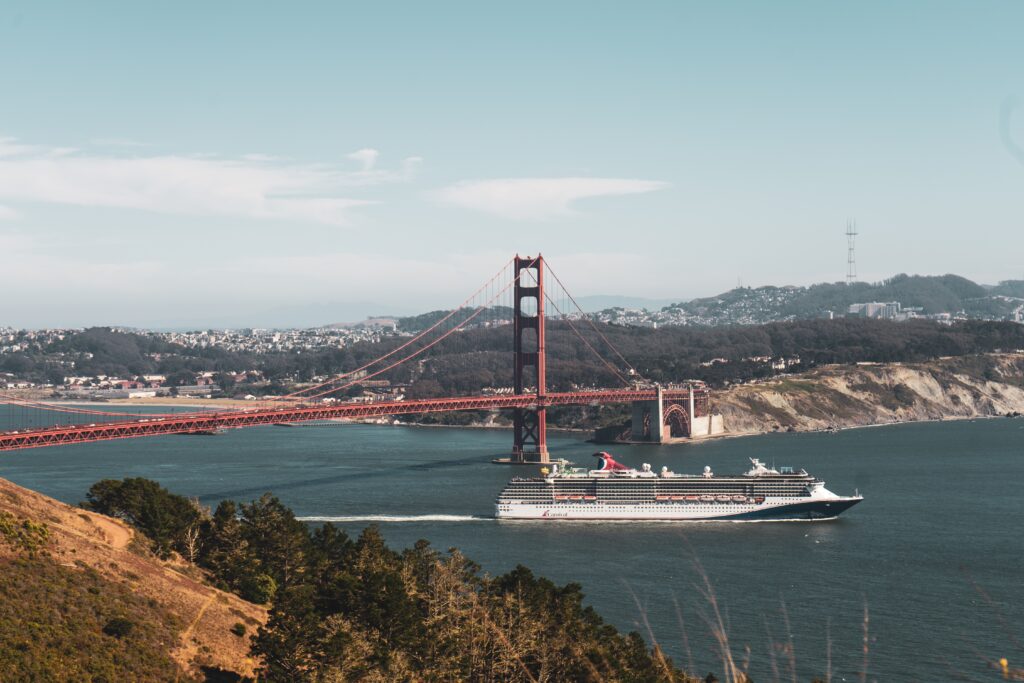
{"x":932,"y":294}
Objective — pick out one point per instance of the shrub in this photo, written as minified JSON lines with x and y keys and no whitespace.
{"x":23,"y":535}
{"x":118,"y":627}
{"x":238,"y":629}
{"x":259,"y":589}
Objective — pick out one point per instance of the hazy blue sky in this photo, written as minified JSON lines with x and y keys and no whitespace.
{"x":215,"y":162}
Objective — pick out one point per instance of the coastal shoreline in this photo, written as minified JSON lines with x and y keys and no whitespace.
{"x":825,"y":399}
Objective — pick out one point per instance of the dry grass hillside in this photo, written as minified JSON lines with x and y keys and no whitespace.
{"x":106,"y":549}
{"x":841,"y":396}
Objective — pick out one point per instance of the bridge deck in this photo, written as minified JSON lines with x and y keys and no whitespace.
{"x":209,"y":421}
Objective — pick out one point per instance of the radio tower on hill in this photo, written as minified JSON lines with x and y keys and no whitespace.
{"x":851,"y":257}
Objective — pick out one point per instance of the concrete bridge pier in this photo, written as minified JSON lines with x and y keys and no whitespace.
{"x":649,"y":420}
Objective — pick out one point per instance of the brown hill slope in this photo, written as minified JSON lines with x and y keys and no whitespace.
{"x":857,"y":395}
{"x":107,"y":549}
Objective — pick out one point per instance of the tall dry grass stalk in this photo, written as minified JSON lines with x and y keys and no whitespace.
{"x":659,"y":655}
{"x":682,"y":631}
{"x":732,"y":673}
{"x":828,"y":649}
{"x":867,"y":644}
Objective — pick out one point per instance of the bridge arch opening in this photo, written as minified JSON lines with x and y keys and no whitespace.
{"x":677,"y":419}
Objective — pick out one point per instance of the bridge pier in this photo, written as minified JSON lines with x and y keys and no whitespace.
{"x":661,"y":420}
{"x":649,"y":420}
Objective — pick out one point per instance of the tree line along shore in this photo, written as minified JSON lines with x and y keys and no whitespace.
{"x":480,"y":359}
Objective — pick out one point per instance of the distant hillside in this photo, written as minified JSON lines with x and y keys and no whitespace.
{"x":377,"y":321}
{"x":599,"y":302}
{"x":418,"y":323}
{"x":1014,"y":288}
{"x":931,"y":294}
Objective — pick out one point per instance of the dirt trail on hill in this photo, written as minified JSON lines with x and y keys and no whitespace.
{"x":117,"y":534}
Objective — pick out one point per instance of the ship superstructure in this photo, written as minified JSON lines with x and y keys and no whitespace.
{"x":615,"y":491}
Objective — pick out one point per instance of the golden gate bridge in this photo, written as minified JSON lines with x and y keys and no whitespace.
{"x":535,"y":292}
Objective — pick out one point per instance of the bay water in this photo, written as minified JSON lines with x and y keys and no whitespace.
{"x":923,"y":581}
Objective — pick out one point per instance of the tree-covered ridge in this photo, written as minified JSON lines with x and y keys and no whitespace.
{"x":1014,"y":288}
{"x":418,"y":323}
{"x":932,"y":294}
{"x":481,"y":358}
{"x":677,"y":354}
{"x":346,"y":609}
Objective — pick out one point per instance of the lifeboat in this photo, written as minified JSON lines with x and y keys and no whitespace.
{"x":589,"y":497}
{"x":663,"y":498}
{"x":723,"y":499}
{"x":739,"y":499}
{"x":707,"y":499}
{"x":759,"y":499}
{"x":678,"y":497}
{"x":692,"y":498}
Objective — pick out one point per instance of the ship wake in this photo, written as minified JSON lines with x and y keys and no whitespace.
{"x":395,"y":518}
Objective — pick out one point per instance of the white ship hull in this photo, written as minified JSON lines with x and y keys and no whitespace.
{"x":779,"y":509}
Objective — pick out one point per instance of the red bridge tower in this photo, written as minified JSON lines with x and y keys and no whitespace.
{"x":530,"y":441}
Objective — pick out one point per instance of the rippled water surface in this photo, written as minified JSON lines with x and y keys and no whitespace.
{"x":934,"y":552}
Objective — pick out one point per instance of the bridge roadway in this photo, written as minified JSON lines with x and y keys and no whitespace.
{"x":208,"y":421}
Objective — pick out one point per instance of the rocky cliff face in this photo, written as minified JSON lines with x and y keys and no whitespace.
{"x":858,"y":395}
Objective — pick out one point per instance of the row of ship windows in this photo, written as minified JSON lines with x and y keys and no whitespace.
{"x":643,"y":492}
{"x":657,"y":488}
{"x":624,"y":497}
{"x":642,"y":495}
{"x":647,"y":503}
{"x":583,"y":508}
{"x":649,"y":492}
{"x":669,"y":480}
{"x":668,"y":485}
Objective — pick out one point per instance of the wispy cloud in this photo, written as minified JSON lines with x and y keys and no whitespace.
{"x":7,"y":213}
{"x":252,"y":186}
{"x":11,"y":147}
{"x":369,"y":174}
{"x":537,"y":198}
{"x":367,"y":157}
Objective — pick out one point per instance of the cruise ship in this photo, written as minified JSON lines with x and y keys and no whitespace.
{"x":615,"y":491}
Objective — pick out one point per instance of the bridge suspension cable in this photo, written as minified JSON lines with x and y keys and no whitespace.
{"x":298,"y":395}
{"x":633,"y":371}
{"x":583,"y":339}
{"x":480,"y":309}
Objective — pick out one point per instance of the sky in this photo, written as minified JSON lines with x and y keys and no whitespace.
{"x":197,"y":164}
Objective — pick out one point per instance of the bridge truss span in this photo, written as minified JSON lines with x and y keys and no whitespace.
{"x":198,"y":423}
